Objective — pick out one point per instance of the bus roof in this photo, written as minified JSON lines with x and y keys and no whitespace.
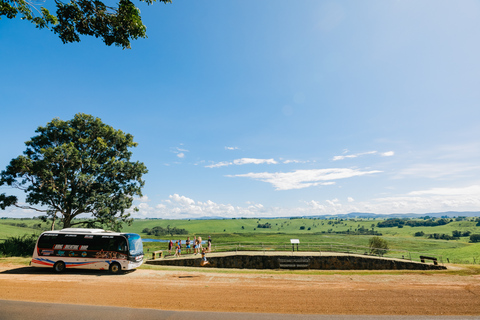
{"x":83,"y":231}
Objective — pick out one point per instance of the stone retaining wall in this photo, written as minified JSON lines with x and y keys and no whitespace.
{"x":341,"y":262}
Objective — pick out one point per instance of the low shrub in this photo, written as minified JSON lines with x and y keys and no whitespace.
{"x":21,"y":246}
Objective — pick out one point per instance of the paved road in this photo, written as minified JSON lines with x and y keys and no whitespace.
{"x":20,"y":310}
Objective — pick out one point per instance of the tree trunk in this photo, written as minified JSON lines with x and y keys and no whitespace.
{"x":67,"y":221}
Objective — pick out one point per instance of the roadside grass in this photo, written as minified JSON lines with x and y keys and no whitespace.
{"x":25,"y":261}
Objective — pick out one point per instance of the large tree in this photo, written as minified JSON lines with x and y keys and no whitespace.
{"x":115,"y":25}
{"x":76,"y":167}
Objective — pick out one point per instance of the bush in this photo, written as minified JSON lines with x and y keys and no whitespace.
{"x":264,"y":225}
{"x":159,"y":231}
{"x":378,"y":246}
{"x":475,"y":238}
{"x":441,"y":236}
{"x":18,"y":246}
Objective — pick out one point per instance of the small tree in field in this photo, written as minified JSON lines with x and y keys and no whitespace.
{"x":74,"y":167}
{"x":378,"y":246}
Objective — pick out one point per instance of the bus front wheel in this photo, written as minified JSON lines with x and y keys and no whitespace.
{"x":59,"y":267}
{"x":115,"y":268}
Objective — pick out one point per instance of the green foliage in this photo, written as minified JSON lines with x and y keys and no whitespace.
{"x":441,"y":236}
{"x":116,"y":26}
{"x":74,"y":167}
{"x":264,"y":225}
{"x":475,"y":238}
{"x":400,"y":223}
{"x":378,"y":246}
{"x":21,"y":246}
{"x":419,"y":234}
{"x":159,"y":231}
{"x":459,"y":233}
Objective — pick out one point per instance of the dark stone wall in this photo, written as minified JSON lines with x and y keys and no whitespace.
{"x":245,"y":261}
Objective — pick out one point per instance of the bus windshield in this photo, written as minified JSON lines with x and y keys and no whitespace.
{"x":135,"y":244}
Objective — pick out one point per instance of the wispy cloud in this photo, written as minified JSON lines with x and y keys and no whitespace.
{"x":179,"y":151}
{"x":294,"y":161}
{"x":300,"y":179}
{"x":439,"y":170}
{"x":349,"y":156}
{"x":231,"y":148}
{"x":242,"y":161}
{"x":471,"y":190}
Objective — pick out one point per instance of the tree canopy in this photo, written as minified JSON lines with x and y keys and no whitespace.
{"x":74,"y":167}
{"x":115,"y":25}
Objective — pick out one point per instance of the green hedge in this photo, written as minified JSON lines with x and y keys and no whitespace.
{"x":21,"y":246}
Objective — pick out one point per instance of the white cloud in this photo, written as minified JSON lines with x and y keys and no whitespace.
{"x":231,"y":148}
{"x":420,"y":201}
{"x":436,"y":171}
{"x":295,"y":161}
{"x":242,"y":161}
{"x":387,"y":154}
{"x":300,"y":179}
{"x":219,"y":164}
{"x":350,"y":156}
{"x":471,"y":190}
{"x":180,"y":152}
{"x":336,"y":158}
{"x":254,"y":161}
{"x":178,"y":206}
{"x":181,"y":200}
{"x":142,"y":199}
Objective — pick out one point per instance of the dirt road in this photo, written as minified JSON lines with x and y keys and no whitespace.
{"x":343,"y":293}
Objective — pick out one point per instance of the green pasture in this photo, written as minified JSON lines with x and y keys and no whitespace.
{"x":19,"y":227}
{"x":314,"y":234}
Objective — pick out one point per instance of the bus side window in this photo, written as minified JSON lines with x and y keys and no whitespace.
{"x":121,"y":245}
{"x":48,"y":241}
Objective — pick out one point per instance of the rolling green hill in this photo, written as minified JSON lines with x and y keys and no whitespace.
{"x":313,"y":233}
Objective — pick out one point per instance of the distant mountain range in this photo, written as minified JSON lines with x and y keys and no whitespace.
{"x":365,"y":215}
{"x":449,"y":214}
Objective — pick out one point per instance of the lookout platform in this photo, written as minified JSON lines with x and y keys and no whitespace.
{"x":295,"y":261}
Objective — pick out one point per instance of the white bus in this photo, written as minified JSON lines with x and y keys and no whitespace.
{"x":88,"y":249}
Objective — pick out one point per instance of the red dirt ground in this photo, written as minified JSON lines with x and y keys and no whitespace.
{"x":427,"y":293}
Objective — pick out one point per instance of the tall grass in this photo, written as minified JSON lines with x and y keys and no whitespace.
{"x":21,"y":246}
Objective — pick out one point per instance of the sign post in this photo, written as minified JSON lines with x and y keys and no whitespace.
{"x":293,"y":242}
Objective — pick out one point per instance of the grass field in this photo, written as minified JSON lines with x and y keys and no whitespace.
{"x":314,"y":234}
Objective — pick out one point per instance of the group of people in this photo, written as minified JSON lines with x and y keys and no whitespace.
{"x":197,"y":247}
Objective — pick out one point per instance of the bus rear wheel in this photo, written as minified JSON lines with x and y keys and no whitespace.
{"x":115,"y":268}
{"x":59,"y":267}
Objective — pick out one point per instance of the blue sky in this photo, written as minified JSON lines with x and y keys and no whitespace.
{"x":270,"y":108}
